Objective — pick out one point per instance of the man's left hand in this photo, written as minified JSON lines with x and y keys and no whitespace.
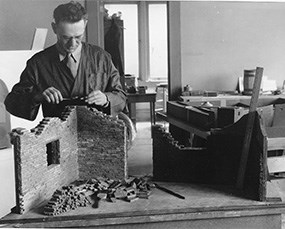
{"x":97,"y":97}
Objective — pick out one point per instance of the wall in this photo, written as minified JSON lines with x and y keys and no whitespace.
{"x":221,"y":39}
{"x":5,"y":121}
{"x":101,"y":145}
{"x":81,"y":144}
{"x":218,"y":39}
{"x":18,"y":20}
{"x":36,"y":179}
{"x":174,"y":50}
{"x":12,"y":63}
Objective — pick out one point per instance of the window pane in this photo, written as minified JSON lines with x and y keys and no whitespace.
{"x":130,"y":19}
{"x":158,"y":41}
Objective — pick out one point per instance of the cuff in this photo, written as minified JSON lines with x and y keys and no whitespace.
{"x":107,"y":103}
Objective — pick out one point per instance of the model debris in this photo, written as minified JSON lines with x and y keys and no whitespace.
{"x":83,"y":193}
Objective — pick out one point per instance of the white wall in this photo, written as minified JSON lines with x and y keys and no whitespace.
{"x":7,"y":179}
{"x":221,"y":39}
{"x":19,"y":18}
{"x":12,"y":63}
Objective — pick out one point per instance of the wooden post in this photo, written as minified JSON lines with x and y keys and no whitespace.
{"x":249,"y":127}
{"x":95,"y":25}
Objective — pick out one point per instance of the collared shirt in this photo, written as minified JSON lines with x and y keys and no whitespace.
{"x":76,"y":55}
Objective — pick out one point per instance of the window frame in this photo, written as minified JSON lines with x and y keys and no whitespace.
{"x":143,"y":36}
{"x":155,"y":79}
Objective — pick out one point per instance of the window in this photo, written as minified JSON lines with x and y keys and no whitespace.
{"x":145,"y":38}
{"x":53,"y":153}
{"x":157,"y":41}
{"x":131,"y":48}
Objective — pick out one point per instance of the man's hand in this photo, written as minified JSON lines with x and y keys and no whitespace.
{"x":97,"y":97}
{"x":52,"y":95}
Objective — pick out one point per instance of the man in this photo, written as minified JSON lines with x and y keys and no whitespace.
{"x":69,"y":69}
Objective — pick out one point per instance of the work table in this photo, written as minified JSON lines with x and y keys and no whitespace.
{"x":203,"y":207}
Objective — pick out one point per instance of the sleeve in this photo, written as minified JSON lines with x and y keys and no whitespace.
{"x":20,"y":101}
{"x":114,"y":91}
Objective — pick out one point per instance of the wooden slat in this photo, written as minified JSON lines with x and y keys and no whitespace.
{"x":183,"y":125}
{"x":249,"y":127}
{"x":276,"y":143}
{"x":39,"y":39}
{"x":275,"y":132}
{"x":279,"y":114}
{"x":273,"y":192}
{"x":276,"y":164}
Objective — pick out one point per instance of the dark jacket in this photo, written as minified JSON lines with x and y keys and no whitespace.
{"x":95,"y":72}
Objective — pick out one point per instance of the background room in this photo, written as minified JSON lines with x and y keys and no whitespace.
{"x":163,"y":46}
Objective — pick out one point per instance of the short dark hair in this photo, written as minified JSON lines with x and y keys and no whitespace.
{"x":69,"y":12}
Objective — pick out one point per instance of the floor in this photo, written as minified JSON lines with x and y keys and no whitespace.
{"x":140,"y":154}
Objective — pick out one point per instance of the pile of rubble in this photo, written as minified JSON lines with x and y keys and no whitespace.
{"x":86,"y":192}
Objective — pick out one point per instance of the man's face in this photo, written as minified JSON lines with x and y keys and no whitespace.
{"x":69,"y":35}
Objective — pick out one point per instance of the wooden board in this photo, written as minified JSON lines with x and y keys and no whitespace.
{"x":276,"y":143}
{"x":39,"y":39}
{"x":276,"y":164}
{"x":183,"y":125}
{"x":201,"y":204}
{"x":279,"y":115}
{"x":275,"y":132}
{"x":249,"y":127}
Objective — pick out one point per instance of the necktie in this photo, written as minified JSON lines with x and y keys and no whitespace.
{"x":71,"y":64}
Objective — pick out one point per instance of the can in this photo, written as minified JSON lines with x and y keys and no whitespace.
{"x":248,"y":81}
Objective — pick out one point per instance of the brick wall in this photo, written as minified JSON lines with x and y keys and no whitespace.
{"x":102,"y":145}
{"x":81,"y":144}
{"x":175,"y":162}
{"x":35,"y":179}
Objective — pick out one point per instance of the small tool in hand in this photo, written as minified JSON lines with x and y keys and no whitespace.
{"x":168,"y":191}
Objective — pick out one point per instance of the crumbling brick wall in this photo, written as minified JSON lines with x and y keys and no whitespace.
{"x":175,"y":162}
{"x":81,"y":144}
{"x":36,"y":177}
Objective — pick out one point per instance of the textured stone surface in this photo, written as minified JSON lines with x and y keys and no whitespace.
{"x":89,"y":144}
{"x":35,"y":179}
{"x":102,"y":145}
